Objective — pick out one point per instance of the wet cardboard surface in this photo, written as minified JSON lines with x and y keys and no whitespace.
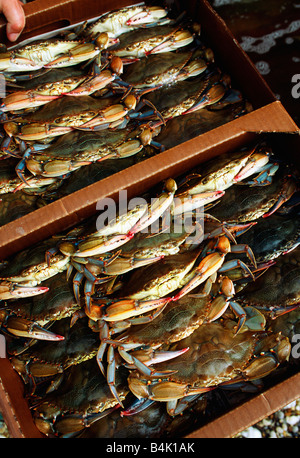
{"x":268,"y":116}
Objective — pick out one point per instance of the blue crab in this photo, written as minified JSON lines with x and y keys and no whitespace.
{"x":49,"y":54}
{"x":216,"y":356}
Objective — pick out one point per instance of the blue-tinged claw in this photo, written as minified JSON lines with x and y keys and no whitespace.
{"x":157,"y":145}
{"x":265,"y":176}
{"x":243,"y":248}
{"x":288,"y":189}
{"x":137,"y":406}
{"x":22,"y":165}
{"x":5,"y":145}
{"x":148,"y":371}
{"x":76,"y":285}
{"x":229,"y":265}
{"x":240,"y":314}
{"x":91,"y":279}
{"x":69,"y":271}
{"x":104,"y":262}
{"x":176,"y":407}
{"x":100,"y":353}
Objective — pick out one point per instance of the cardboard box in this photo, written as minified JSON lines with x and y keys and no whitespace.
{"x":268,"y":116}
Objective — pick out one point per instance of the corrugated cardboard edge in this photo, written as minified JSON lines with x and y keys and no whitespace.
{"x":13,"y":405}
{"x":252,"y":411}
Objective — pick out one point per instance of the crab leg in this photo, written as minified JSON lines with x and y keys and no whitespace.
{"x":137,"y":406}
{"x":155,"y":358}
{"x":148,"y":17}
{"x":17,"y":64}
{"x":25,"y":99}
{"x":178,"y":406}
{"x":22,"y":165}
{"x":132,"y":360}
{"x":104,"y":334}
{"x":111,"y":370}
{"x":109,"y":115}
{"x":164,"y":356}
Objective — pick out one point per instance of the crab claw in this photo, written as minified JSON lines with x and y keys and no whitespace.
{"x":95,"y":246}
{"x":137,"y":406}
{"x":288,"y":189}
{"x":36,"y":131}
{"x":179,"y":39}
{"x":21,"y":327}
{"x":185,"y":204}
{"x":208,"y":266}
{"x":116,"y":65}
{"x":25,"y":99}
{"x":127,"y":308}
{"x":109,"y":115}
{"x":215,"y":93}
{"x":78,"y":54}
{"x":157,"y":208}
{"x":93,"y":84}
{"x":253,"y":165}
{"x":17,"y":64}
{"x":156,"y":357}
{"x":149,"y":15}
{"x":10,"y":290}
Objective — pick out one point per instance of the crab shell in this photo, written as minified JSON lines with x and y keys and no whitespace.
{"x":278,"y":290}
{"x":216,"y":355}
{"x":162,"y":69}
{"x":159,"y":39}
{"x":125,"y":19}
{"x":78,"y":148}
{"x":83,"y":397}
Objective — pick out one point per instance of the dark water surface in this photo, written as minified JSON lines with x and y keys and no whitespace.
{"x":269,"y":31}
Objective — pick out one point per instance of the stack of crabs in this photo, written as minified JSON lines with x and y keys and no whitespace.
{"x":120,"y":88}
{"x":160,"y":306}
{"x":118,"y":328}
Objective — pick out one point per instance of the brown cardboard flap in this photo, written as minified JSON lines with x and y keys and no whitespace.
{"x":252,"y":411}
{"x":13,"y":405}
